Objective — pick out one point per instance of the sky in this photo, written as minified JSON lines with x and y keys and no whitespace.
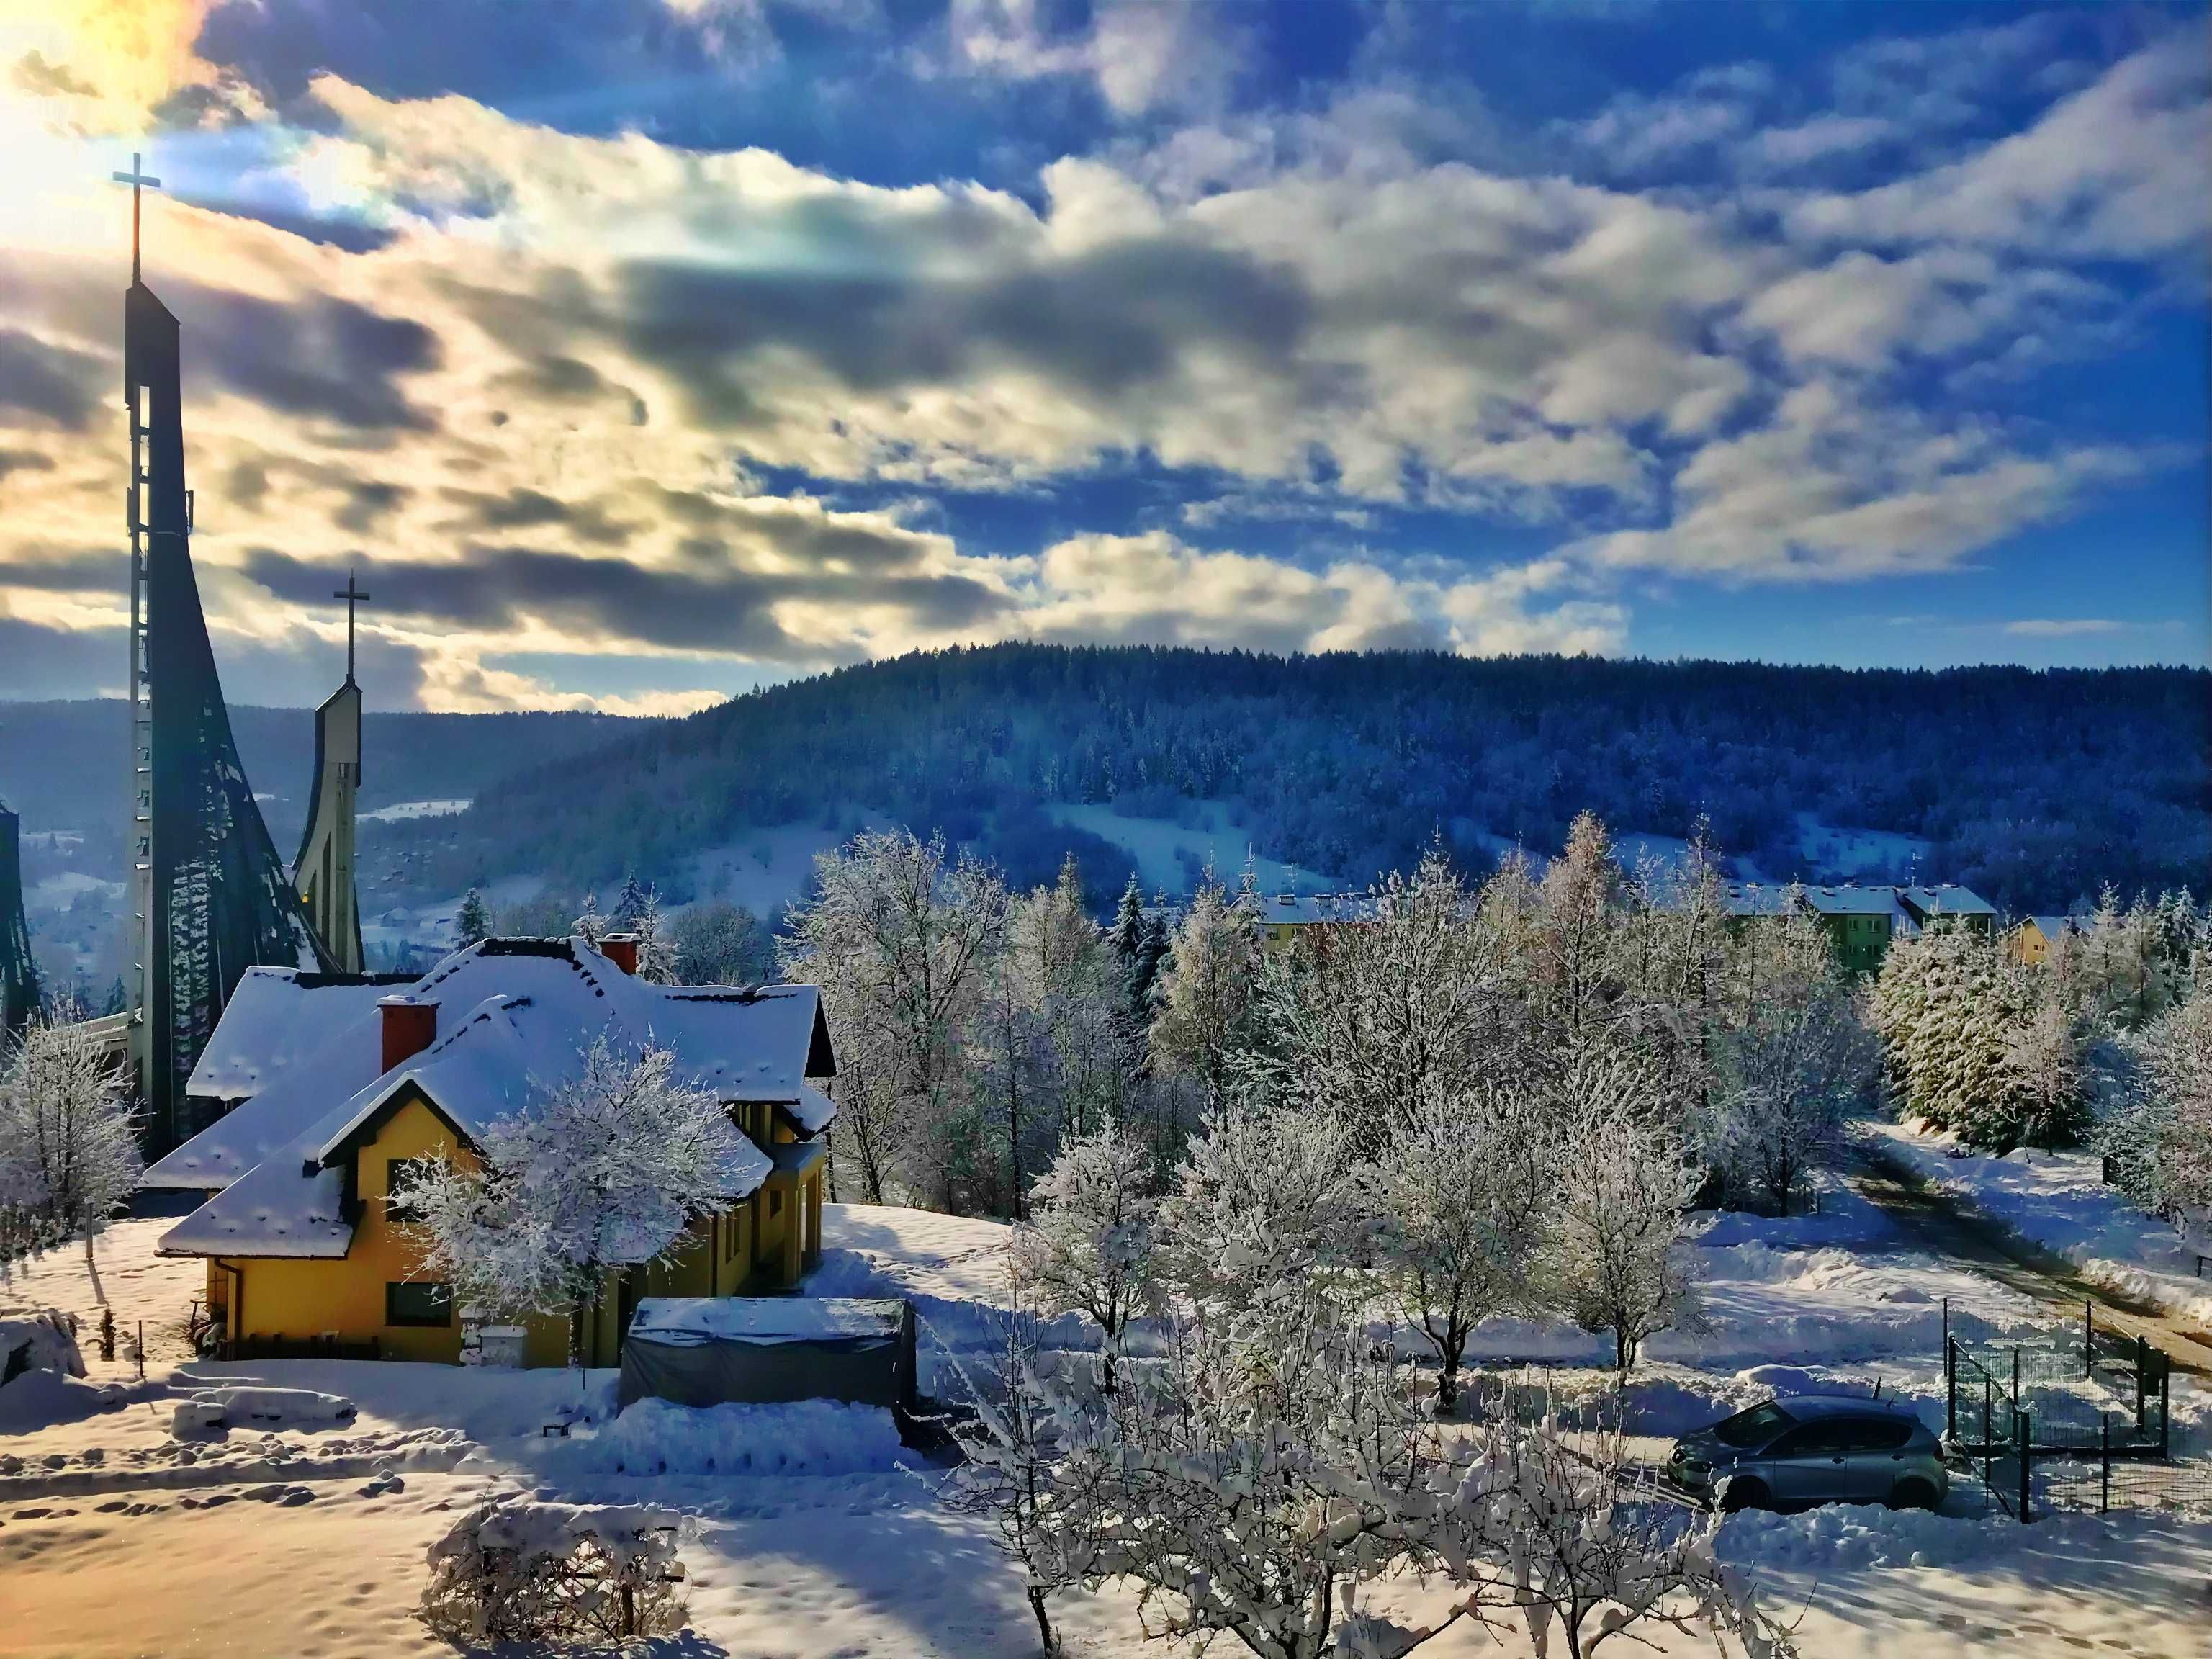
{"x":640,"y":352}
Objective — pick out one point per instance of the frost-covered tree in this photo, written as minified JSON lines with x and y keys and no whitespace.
{"x":473,"y":922}
{"x":601,"y":1171}
{"x":656,"y":946}
{"x":69,"y":1159}
{"x":1270,"y":1212}
{"x":2160,"y":1132}
{"x":721,"y":943}
{"x":1623,"y":1186}
{"x":1208,"y":994}
{"x":1398,"y":1006}
{"x":1263,"y":1516}
{"x":1091,"y":1244}
{"x":900,"y":935}
{"x":1579,"y":958}
{"x":593,"y":924}
{"x":1461,"y":1198}
{"x":1596,"y":1552}
{"x":1784,"y":1079}
{"x":2047,"y":1075}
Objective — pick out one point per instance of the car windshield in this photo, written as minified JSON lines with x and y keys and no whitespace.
{"x":1753,"y":1428}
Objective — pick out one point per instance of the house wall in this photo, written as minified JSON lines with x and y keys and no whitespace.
{"x":745,"y":1250}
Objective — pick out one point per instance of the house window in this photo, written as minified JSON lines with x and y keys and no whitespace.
{"x":410,"y":1304}
{"x":400,"y":1176}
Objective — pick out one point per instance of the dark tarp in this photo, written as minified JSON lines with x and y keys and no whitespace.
{"x":712,"y":1351}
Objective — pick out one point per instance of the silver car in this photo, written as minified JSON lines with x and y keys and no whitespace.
{"x":1813,"y":1448}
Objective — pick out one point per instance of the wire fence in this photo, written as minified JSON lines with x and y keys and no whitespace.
{"x":2076,"y":1419}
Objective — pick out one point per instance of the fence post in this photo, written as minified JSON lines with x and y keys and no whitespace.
{"x":2023,"y":1439}
{"x":142,"y":1351}
{"x":2088,"y":1339}
{"x":1988,"y":1383}
{"x":1950,"y":1382}
{"x":2015,"y":1379}
{"x":2103,"y":1461}
{"x":2165,"y":1405}
{"x":2142,"y":1358}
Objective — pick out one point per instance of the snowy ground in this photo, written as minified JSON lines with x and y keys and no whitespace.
{"x":118,"y":1539}
{"x":2059,"y":1201}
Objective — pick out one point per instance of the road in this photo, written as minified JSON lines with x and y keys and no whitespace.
{"x":1950,"y":1227}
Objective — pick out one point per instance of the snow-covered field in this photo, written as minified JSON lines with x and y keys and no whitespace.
{"x":820,"y":1535}
{"x":2059,"y":1200}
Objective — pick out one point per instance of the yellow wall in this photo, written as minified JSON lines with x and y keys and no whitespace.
{"x":743,"y":1250}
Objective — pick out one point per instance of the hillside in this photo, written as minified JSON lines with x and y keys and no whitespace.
{"x":2032,"y":787}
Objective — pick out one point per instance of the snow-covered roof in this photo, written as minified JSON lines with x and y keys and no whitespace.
{"x":1752,"y":898}
{"x":1295,"y":909}
{"x":276,"y":1018}
{"x":694,"y":1320}
{"x":1850,"y":900}
{"x":760,"y":1045}
{"x":1947,"y":899}
{"x":812,"y":1110}
{"x":492,"y":1055}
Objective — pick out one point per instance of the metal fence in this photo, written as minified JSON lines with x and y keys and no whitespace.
{"x":2073,"y":1419}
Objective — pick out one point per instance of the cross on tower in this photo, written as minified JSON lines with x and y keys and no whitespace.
{"x":135,"y":179}
{"x":353,"y":596}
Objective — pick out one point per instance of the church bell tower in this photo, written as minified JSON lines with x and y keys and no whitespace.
{"x":324,"y":871}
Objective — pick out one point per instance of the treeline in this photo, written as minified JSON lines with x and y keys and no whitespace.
{"x":2032,"y":786}
{"x":979,"y":1029}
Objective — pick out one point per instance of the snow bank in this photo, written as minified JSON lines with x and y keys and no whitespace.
{"x":1841,"y":1537}
{"x":806,"y":1437}
{"x":43,"y":1341}
{"x":41,"y":1398}
{"x":214,"y":1408}
{"x":2059,"y":1200}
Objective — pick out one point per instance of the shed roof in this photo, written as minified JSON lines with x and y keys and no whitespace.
{"x":690,"y":1321}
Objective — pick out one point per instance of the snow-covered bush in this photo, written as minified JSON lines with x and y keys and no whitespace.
{"x":1090,"y":1242}
{"x":515,"y":1571}
{"x":235,"y":1408}
{"x":604,"y":1170}
{"x":43,"y":1341}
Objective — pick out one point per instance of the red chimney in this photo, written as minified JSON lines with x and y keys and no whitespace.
{"x":410,"y":1027}
{"x":620,"y":949}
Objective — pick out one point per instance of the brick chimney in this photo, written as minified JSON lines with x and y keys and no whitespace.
{"x":620,"y":949}
{"x":410,"y":1027}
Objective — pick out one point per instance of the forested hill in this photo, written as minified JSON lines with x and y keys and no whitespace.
{"x":2032,"y":786}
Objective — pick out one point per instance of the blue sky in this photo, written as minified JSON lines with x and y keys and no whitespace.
{"x":641,"y":351}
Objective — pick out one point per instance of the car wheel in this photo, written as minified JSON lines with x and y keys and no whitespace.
{"x":1912,"y":1495}
{"x":1745,"y":1495}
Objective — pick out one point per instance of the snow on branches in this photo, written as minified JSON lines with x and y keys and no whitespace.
{"x":69,"y":1159}
{"x":1090,"y":1242}
{"x":516,"y":1570}
{"x":603,"y":1169}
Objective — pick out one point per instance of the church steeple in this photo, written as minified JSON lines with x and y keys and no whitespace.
{"x":324,"y":871}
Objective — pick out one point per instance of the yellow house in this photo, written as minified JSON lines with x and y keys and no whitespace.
{"x":2035,"y":937}
{"x":308,"y":1252}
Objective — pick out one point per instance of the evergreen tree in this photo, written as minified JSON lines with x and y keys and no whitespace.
{"x":473,"y":923}
{"x":1128,"y":932}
